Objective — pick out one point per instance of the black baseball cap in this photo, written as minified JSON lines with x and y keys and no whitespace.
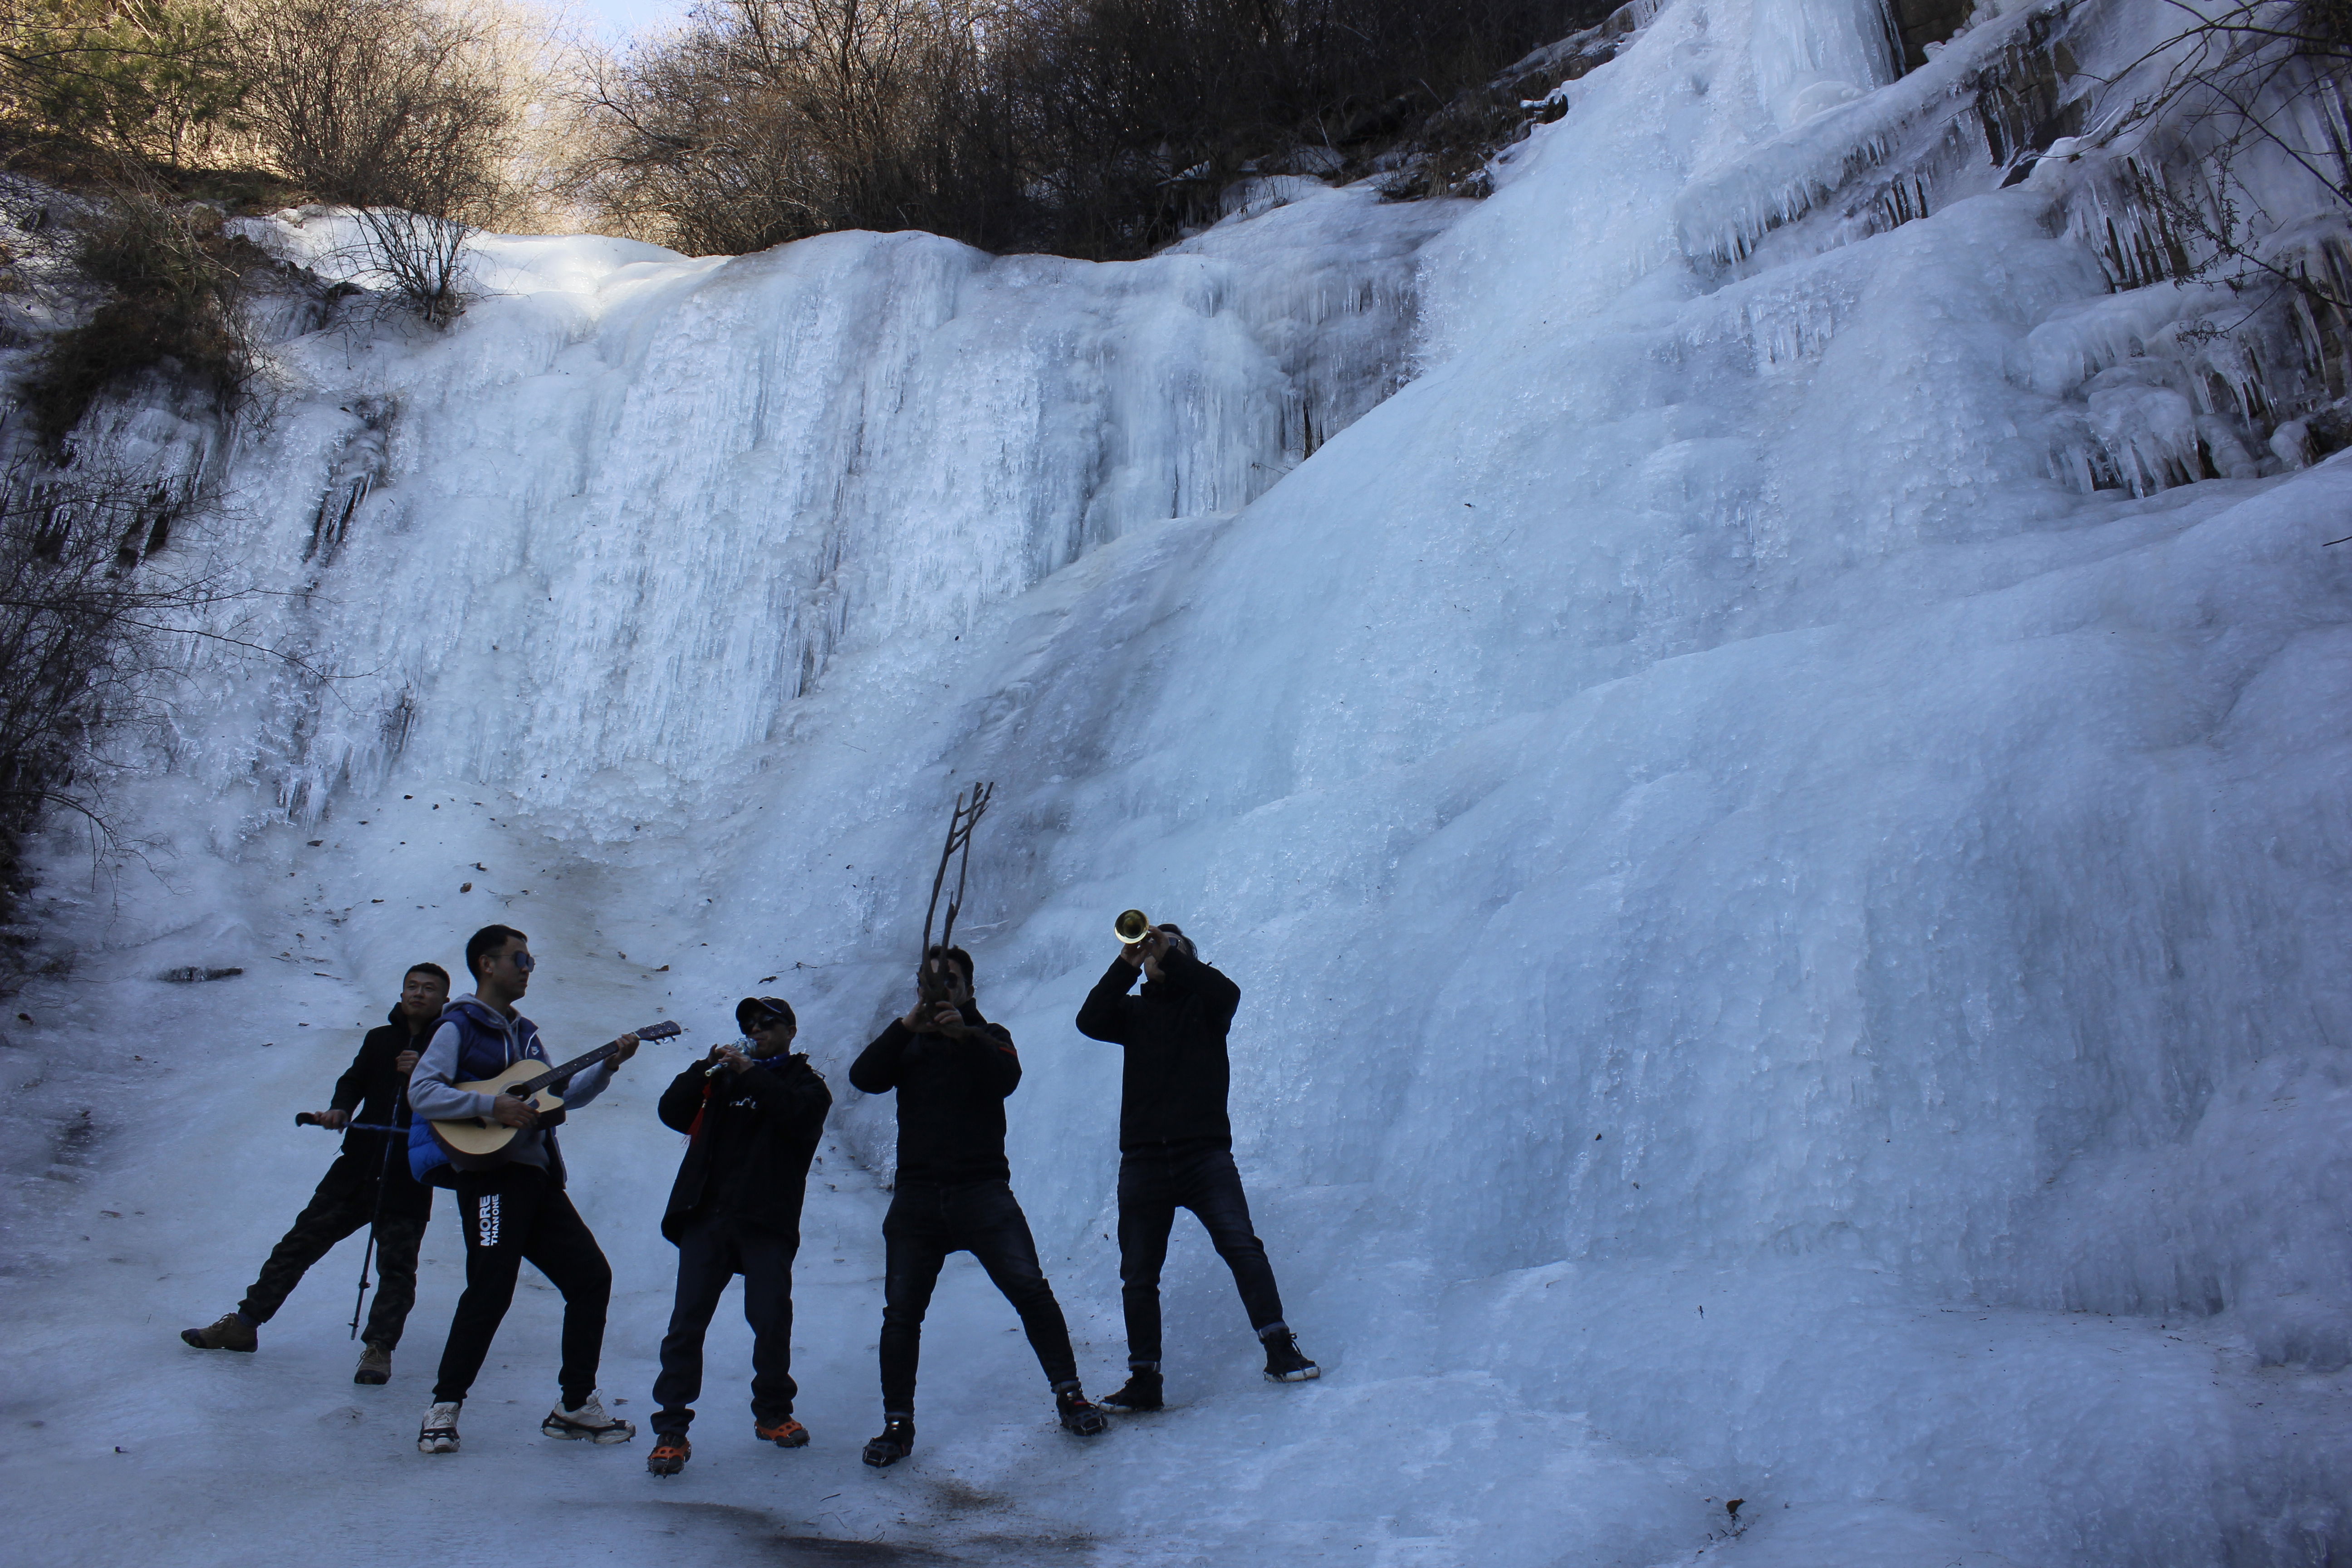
{"x":755,"y":1010}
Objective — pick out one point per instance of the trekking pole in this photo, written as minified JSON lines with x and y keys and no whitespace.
{"x":367,"y":1253}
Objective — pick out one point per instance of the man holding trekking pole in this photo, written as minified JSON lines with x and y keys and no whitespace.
{"x":369,"y":1183}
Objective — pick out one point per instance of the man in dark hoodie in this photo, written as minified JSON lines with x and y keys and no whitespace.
{"x":1175,"y":1145}
{"x":368,"y":1183}
{"x":751,"y":1123}
{"x":953,"y":1070}
{"x":514,"y":1212}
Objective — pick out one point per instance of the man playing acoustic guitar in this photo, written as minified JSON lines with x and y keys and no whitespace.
{"x":513,"y":1211}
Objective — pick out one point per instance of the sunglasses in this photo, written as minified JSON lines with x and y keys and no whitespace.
{"x":523,"y":961}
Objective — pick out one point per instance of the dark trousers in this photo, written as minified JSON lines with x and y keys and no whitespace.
{"x":925,"y":1223}
{"x":512,"y":1214}
{"x":1152,"y":1188}
{"x":711,"y":1250}
{"x":343,"y":1204}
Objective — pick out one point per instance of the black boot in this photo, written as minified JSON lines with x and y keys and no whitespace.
{"x":1283,"y":1362}
{"x":896,"y":1441}
{"x":1142,"y":1392}
{"x":1077,"y":1415}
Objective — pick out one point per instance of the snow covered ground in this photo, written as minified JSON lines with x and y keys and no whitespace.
{"x":1790,"y":950}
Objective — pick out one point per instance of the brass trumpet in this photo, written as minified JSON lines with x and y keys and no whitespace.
{"x":1131,"y":927}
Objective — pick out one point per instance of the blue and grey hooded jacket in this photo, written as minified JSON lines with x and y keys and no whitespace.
{"x":473,"y":1041}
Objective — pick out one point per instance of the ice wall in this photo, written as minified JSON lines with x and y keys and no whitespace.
{"x":1763,"y":895}
{"x":643,"y":499}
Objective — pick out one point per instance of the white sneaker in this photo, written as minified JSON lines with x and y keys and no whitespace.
{"x":439,"y":1433}
{"x":589,"y":1421}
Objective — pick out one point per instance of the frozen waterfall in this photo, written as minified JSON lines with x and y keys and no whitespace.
{"x":1790,"y":949}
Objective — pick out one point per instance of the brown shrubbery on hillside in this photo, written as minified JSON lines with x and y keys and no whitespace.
{"x":1089,"y":127}
{"x":1096,"y":128}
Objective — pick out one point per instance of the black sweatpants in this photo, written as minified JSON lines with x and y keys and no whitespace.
{"x":512,"y":1214}
{"x":925,"y":1223}
{"x":343,"y":1204}
{"x":711,"y":1250}
{"x":1152,"y":1188}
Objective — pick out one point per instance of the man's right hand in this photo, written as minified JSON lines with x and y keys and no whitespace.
{"x":508,"y":1110}
{"x":329,"y":1119}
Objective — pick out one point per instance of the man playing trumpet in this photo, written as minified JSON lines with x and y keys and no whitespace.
{"x":1175,"y":1143}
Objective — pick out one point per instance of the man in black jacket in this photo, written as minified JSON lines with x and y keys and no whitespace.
{"x":368,"y":1182}
{"x":1175,"y":1145}
{"x":752,"y":1125}
{"x":953,"y":1070}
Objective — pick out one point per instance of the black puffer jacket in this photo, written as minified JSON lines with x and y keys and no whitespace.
{"x":377,"y":1092}
{"x":750,"y":1157}
{"x":1172,"y":1092}
{"x":950,"y":1097}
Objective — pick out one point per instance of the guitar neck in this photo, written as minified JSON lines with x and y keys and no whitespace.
{"x":562,"y":1071}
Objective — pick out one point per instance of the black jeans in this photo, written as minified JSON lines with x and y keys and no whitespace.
{"x":711,"y":1250}
{"x":343,"y":1204}
{"x":925,"y":1223}
{"x":1151,"y":1187}
{"x":512,"y":1214}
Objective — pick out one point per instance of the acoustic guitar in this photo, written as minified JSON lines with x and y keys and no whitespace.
{"x":478,"y":1142}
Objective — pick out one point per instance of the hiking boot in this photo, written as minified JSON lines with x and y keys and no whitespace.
{"x":1142,"y":1392}
{"x":1078,"y":1415}
{"x":785,"y":1433}
{"x":376,"y":1365}
{"x":896,"y":1441}
{"x":226,"y":1332}
{"x":670,"y":1455}
{"x":1283,"y":1362}
{"x":439,"y":1433}
{"x":589,"y":1421}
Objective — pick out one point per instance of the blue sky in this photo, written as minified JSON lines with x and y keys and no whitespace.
{"x":615,"y":20}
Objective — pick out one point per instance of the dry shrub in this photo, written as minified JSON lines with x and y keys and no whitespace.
{"x":394,"y":108}
{"x":1096,"y":128}
{"x":173,"y":280}
{"x":87,"y":624}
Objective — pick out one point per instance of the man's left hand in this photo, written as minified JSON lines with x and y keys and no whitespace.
{"x":405,"y":1062}
{"x":628,"y":1048}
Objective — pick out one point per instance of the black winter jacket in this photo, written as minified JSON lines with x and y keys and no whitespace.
{"x":950,"y":1097}
{"x":1172,"y":1092}
{"x":750,"y":1157}
{"x":378,"y":1091}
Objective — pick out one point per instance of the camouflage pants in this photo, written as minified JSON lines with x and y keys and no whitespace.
{"x":344,"y":1203}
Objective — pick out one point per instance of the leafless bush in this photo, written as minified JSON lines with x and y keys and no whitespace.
{"x":770,"y":120}
{"x":1091,"y":127}
{"x":88,"y":621}
{"x":2236,"y":120}
{"x":395,"y":108}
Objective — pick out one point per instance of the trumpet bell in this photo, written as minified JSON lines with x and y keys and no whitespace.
{"x":1131,"y":927}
